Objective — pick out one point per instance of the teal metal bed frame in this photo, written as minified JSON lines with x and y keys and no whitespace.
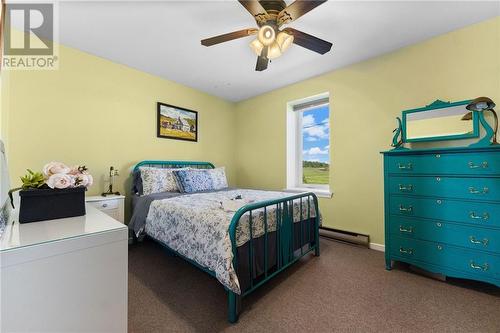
{"x":286,"y":254}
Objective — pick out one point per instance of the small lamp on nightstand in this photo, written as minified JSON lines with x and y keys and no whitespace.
{"x":112,"y":174}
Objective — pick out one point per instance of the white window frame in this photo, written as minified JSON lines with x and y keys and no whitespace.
{"x":295,"y":147}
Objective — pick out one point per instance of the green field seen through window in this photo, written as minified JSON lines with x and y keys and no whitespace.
{"x":315,"y":173}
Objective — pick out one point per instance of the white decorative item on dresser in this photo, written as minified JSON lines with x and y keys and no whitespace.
{"x":112,"y":205}
{"x":64,"y":275}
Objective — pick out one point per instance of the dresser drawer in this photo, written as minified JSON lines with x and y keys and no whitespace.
{"x":475,"y":213}
{"x":452,"y":187}
{"x":465,"y":260}
{"x":453,"y":234}
{"x":485,"y":163}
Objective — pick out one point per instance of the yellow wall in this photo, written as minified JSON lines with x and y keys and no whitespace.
{"x":365,"y":99}
{"x":100,"y":113}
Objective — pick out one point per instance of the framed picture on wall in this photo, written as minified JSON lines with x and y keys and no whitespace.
{"x":176,"y":123}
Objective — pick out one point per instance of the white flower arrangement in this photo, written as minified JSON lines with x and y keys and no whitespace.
{"x":55,"y":175}
{"x":60,"y":176}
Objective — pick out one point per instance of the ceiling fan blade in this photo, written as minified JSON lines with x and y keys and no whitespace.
{"x":297,"y":9}
{"x":227,"y":37}
{"x":308,"y":41}
{"x":256,"y":9}
{"x":262,"y":61}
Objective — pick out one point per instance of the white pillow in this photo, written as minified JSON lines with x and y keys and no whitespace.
{"x":157,"y":180}
{"x":219,"y":178}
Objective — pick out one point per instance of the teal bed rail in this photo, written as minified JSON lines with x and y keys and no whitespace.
{"x":174,"y":164}
{"x":290,"y":240}
{"x":287,"y":254}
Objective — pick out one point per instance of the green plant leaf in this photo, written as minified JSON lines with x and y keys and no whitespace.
{"x":32,"y":180}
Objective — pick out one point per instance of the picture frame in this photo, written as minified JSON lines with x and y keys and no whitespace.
{"x":174,"y":122}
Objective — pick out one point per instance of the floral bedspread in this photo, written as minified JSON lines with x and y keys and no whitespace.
{"x":197,"y":226}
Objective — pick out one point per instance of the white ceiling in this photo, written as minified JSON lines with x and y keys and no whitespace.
{"x":163,"y":37}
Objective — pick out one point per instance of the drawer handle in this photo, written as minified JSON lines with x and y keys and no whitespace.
{"x":406,"y":188}
{"x":483,"y":267}
{"x":483,"y":165}
{"x":473,"y":190}
{"x":408,"y":166}
{"x":474,"y":240}
{"x":405,"y":251}
{"x":404,"y":209}
{"x":473,"y":215}
{"x":104,"y":205}
{"x":408,"y":230}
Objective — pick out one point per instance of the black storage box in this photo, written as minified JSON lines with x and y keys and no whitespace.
{"x":49,"y":204}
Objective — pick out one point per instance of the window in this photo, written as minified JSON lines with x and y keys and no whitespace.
{"x":308,"y":145}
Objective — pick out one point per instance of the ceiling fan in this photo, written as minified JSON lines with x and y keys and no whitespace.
{"x":271,"y":40}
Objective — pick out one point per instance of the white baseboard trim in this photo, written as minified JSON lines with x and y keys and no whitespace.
{"x":377,"y":247}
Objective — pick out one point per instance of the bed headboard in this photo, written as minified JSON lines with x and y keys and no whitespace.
{"x":136,"y":178}
{"x":175,"y":164}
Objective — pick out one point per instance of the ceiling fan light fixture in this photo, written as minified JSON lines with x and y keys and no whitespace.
{"x":266,"y":35}
{"x":274,"y":51}
{"x":271,"y":42}
{"x":284,"y":40}
{"x":276,"y":48}
{"x":257,"y":47}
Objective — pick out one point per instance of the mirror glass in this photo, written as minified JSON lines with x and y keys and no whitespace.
{"x":442,"y":124}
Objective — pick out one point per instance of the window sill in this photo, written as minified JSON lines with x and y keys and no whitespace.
{"x":319,"y":192}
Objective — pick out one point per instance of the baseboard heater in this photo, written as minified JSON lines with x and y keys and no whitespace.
{"x":345,"y":236}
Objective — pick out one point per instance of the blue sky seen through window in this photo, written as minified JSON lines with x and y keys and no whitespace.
{"x":316,"y":135}
{"x":316,"y":145}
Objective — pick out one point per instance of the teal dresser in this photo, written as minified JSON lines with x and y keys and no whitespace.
{"x":442,"y":210}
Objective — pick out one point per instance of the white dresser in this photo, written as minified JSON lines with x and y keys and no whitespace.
{"x":65,"y":275}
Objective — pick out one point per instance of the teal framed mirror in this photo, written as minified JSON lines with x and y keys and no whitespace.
{"x":440,"y":121}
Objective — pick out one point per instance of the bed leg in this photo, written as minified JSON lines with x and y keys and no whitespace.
{"x":232,"y":308}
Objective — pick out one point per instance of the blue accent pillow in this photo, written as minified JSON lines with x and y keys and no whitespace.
{"x":194,"y":180}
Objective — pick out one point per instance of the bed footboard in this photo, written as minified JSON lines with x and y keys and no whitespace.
{"x":293,"y":233}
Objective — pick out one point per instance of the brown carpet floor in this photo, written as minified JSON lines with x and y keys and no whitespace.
{"x":346,"y":289}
